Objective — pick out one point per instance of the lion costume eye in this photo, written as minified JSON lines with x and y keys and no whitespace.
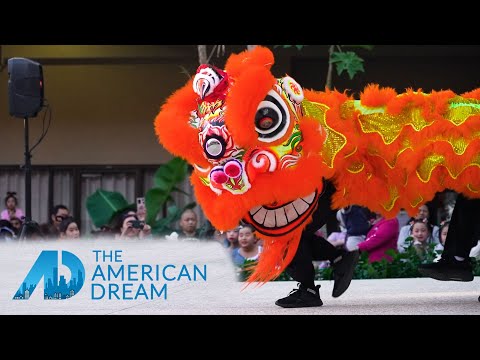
{"x":214,"y":147}
{"x":272,"y":118}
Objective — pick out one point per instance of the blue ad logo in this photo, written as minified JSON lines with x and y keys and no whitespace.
{"x":56,"y":288}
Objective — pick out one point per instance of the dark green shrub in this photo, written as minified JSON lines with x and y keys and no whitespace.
{"x":403,"y":265}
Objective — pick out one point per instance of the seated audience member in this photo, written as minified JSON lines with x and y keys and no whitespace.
{"x":16,"y":225}
{"x":405,"y":231}
{"x":33,"y":232}
{"x":248,"y":246}
{"x":337,"y":238}
{"x":188,"y":225}
{"x":57,"y":214}
{"x":443,"y":236}
{"x":421,"y":231}
{"x":206,"y":231}
{"x":357,"y":223}
{"x":146,"y":229}
{"x":69,"y":229}
{"x":230,"y":240}
{"x":11,"y":208}
{"x":403,"y":218}
{"x":128,"y":226}
{"x":381,"y":237}
{"x":7,"y":232}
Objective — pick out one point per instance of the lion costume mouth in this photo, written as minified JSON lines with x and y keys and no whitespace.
{"x":278,"y":220}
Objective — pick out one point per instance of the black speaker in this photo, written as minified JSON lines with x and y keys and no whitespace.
{"x":25,"y":87}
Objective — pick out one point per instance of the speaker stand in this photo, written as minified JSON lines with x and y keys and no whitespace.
{"x":27,"y":222}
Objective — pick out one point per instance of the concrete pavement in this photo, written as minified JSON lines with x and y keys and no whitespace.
{"x":364,"y":297}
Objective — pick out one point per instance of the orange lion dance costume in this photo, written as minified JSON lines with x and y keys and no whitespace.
{"x":261,"y":146}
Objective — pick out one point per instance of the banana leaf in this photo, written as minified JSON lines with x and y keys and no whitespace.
{"x":103,"y":206}
{"x":166,"y":179}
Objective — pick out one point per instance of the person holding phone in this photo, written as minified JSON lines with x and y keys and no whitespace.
{"x":141,"y":209}
{"x":129,"y":226}
{"x":142,"y":217}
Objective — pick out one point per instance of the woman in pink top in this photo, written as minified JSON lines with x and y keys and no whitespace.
{"x":382,"y":237}
{"x":11,"y":209}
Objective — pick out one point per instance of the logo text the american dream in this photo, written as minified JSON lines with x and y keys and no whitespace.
{"x":114,"y":280}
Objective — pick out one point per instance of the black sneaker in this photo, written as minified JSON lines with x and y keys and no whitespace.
{"x":301,"y":297}
{"x":343,"y":269}
{"x":448,"y":269}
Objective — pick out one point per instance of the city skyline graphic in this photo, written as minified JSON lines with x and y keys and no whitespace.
{"x":55,"y":286}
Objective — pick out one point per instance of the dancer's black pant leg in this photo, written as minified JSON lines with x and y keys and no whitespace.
{"x":464,"y":228}
{"x":311,"y":248}
{"x":301,"y":267}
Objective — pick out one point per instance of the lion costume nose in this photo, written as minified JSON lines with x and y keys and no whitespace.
{"x":231,"y":170}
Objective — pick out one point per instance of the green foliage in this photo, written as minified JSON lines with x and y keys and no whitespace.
{"x":403,"y":265}
{"x":166,"y":179}
{"x":170,"y":174}
{"x":347,"y":61}
{"x":476,"y":266}
{"x":244,"y":271}
{"x":103,"y":206}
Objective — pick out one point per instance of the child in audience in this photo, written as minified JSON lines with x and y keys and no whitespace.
{"x":249,"y":248}
{"x":443,"y":236}
{"x":69,"y":229}
{"x":421,"y":231}
{"x":231,"y":239}
{"x":16,"y":224}
{"x":406,"y":233}
{"x":11,"y":210}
